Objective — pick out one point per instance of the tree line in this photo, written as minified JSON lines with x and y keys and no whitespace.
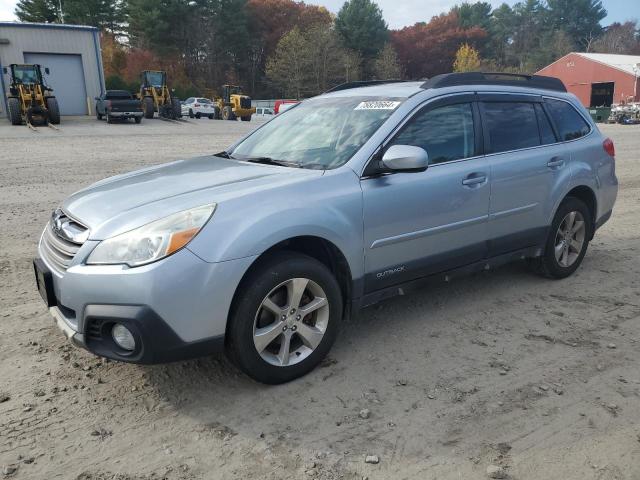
{"x":287,"y":48}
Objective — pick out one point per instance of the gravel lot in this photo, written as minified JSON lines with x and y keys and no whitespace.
{"x":505,"y":371}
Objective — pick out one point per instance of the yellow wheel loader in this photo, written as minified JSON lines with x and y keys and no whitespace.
{"x":29,"y":99}
{"x":234,"y":104}
{"x":156,"y":97}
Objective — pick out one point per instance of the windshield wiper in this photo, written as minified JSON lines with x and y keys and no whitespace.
{"x":270,"y":161}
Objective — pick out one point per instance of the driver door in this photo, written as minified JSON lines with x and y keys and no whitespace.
{"x":421,"y":223}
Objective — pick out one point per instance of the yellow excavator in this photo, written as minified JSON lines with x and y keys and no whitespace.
{"x":29,"y":99}
{"x":234,"y":104}
{"x":156,"y":97}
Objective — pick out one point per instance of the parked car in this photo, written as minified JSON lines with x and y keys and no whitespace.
{"x":264,"y":112}
{"x":352,"y":197}
{"x":118,"y":104}
{"x":199,"y":107}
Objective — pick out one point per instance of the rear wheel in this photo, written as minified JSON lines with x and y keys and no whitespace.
{"x":148,"y":107}
{"x":109,"y":118}
{"x":14,"y":111}
{"x":98,"y":114}
{"x":54,"y":110}
{"x":176,"y":106}
{"x":191,"y":115}
{"x":138,"y":119}
{"x":211,"y":117}
{"x":285,"y":318}
{"x":198,"y":115}
{"x":567,"y":240}
{"x":246,"y":118}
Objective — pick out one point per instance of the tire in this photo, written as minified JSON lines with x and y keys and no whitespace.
{"x":227,"y":114}
{"x":191,"y":115}
{"x":211,"y":116}
{"x":198,"y":116}
{"x":148,"y":107}
{"x":54,"y":110}
{"x":176,"y":107}
{"x":15,"y":115}
{"x":563,"y":254}
{"x":98,"y":114}
{"x":270,"y":279}
{"x":138,"y":120}
{"x":109,"y":119}
{"x":246,"y":118}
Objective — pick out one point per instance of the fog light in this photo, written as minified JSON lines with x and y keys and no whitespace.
{"x":123,"y":337}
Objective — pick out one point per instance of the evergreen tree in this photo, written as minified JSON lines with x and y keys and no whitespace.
{"x":362,"y":27}
{"x":43,"y":11}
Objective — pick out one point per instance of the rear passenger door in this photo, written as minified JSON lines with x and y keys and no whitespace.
{"x":527,"y":165}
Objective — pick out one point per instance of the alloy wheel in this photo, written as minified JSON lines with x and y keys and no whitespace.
{"x":291,"y":322}
{"x":570,"y":239}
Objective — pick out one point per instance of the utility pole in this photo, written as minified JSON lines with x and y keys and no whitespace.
{"x":61,"y":12}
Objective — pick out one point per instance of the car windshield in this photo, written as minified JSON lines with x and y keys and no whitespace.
{"x":321,"y":133}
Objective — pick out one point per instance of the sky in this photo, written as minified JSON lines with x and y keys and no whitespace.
{"x":400,"y":13}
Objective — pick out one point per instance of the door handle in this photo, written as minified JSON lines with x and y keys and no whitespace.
{"x":474,"y":179}
{"x":555,"y":162}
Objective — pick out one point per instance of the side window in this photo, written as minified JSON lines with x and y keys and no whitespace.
{"x":569,"y":123}
{"x":546,"y":131}
{"x":510,"y":125}
{"x":446,"y":133}
{"x":189,"y":100}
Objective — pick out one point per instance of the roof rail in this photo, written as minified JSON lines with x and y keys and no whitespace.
{"x":508,"y":79}
{"x":361,"y":83}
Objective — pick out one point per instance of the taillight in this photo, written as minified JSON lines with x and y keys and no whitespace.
{"x":107,"y":104}
{"x":196,"y":104}
{"x":609,"y":147}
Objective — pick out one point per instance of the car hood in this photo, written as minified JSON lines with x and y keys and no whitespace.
{"x":124,"y":202}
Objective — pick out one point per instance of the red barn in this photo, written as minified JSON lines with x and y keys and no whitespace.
{"x":598,"y":79}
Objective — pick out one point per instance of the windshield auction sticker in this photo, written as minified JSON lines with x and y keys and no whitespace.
{"x":377,"y":105}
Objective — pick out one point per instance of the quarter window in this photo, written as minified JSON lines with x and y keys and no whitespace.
{"x":446,"y":133}
{"x":511,"y":126}
{"x":569,"y":123}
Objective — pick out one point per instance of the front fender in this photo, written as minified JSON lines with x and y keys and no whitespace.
{"x":327,"y":207}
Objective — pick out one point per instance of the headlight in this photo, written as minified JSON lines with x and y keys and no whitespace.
{"x":152,"y":241}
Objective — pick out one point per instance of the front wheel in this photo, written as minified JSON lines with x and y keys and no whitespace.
{"x":285,"y":318}
{"x":54,"y":110}
{"x":567,"y":240}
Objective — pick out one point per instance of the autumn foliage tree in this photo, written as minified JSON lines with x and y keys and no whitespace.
{"x":467,"y":59}
{"x":428,"y":49}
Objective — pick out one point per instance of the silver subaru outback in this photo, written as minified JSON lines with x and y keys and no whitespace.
{"x":346,"y":199}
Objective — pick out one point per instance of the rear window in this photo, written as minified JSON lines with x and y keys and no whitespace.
{"x":511,"y":126}
{"x":569,"y":122}
{"x":204,"y":100}
{"x":118,"y":96}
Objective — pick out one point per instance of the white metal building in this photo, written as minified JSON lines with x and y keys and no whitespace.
{"x":72,"y":54}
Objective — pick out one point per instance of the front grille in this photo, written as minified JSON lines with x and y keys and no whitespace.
{"x":57,"y":250}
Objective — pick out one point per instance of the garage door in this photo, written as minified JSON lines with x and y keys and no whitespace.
{"x":66,"y":78}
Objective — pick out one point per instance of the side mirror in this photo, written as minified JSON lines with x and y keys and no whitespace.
{"x":405,"y":158}
{"x":4,"y":69}
{"x":46,"y":70}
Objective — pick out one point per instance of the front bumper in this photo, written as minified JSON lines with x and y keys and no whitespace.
{"x":156,"y":342}
{"x":176,"y":308}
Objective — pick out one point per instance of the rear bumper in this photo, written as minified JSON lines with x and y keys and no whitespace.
{"x":125,"y":114}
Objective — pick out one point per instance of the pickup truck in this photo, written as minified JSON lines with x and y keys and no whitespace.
{"x":118,"y":104}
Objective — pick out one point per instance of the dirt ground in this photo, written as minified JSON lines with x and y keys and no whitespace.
{"x":539,"y":379}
